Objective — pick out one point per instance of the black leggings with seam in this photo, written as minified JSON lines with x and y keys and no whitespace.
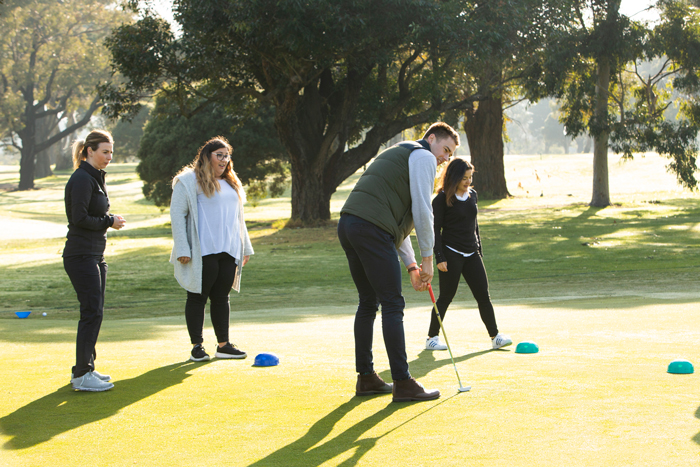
{"x":474,"y":273}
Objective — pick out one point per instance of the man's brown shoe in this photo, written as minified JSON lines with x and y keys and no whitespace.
{"x":409,"y":389}
{"x":371,"y":384}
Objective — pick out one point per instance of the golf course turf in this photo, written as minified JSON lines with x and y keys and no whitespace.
{"x":610,"y":296}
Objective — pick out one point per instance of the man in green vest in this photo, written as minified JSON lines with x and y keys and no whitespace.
{"x":391,"y":198}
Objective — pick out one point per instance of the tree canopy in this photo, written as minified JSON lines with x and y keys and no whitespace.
{"x":344,"y":75}
{"x":517,"y":35}
{"x":594,"y":68}
{"x":51,"y":59}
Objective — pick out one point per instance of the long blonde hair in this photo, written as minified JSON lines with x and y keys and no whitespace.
{"x":92,"y":141}
{"x":204,"y":170}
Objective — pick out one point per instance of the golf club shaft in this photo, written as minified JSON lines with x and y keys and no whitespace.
{"x":444,"y":334}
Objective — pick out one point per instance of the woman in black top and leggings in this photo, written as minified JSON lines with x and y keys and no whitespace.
{"x":87,"y":208}
{"x":458,"y":251}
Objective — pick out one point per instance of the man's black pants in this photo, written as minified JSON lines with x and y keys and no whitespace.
{"x":376,"y":271}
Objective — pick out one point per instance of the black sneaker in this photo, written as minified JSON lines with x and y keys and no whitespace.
{"x":229,"y":351}
{"x":199,"y":354}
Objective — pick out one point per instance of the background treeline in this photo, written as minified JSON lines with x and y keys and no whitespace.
{"x":311,"y":91}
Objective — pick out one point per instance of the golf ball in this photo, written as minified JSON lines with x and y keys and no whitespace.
{"x":43,"y":314}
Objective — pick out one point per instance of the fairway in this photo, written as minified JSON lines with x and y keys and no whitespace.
{"x":610,"y":296}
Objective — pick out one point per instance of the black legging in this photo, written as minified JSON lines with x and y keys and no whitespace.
{"x":472,"y":268}
{"x":218,"y":272}
{"x":88,"y":274}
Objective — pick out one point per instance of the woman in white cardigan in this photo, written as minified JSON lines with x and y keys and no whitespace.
{"x":211,"y":243}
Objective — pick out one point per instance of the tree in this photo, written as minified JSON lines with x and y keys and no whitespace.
{"x":51,"y":59}
{"x":344,"y":75}
{"x":46,"y":127}
{"x":170,"y":142}
{"x":515,"y":35}
{"x":594,"y":68}
{"x":127,"y":135}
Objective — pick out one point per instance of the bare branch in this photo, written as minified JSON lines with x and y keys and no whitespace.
{"x":12,"y":141}
{"x":512,"y":104}
{"x":47,"y":91}
{"x":403,"y":87}
{"x":94,"y":105}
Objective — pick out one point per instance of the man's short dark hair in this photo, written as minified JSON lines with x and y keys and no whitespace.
{"x":442,"y":130}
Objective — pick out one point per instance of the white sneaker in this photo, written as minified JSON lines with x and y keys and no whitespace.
{"x":98,"y":375}
{"x":433,"y":343}
{"x":90,"y":382}
{"x":501,"y":340}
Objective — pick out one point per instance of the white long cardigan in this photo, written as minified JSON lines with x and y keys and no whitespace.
{"x":184,"y":223}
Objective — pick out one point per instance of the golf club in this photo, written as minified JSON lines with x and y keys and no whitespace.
{"x":444,"y":334}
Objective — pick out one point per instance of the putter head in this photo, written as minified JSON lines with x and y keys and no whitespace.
{"x":464,"y":389}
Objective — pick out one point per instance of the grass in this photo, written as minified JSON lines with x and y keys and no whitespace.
{"x":610,"y":295}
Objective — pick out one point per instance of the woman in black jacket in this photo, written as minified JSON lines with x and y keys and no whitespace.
{"x":458,"y":251}
{"x":87,"y":208}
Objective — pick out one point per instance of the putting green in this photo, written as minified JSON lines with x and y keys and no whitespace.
{"x":596,"y":394}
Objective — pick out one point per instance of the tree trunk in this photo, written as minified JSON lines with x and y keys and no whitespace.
{"x":64,"y":158}
{"x":484,"y":130}
{"x":30,"y":146}
{"x":599,"y":126}
{"x":26,"y":167}
{"x":46,"y":127}
{"x":601,"y":187}
{"x":27,"y":152}
{"x":42,"y":165}
{"x":300,"y":125}
{"x":310,"y":203}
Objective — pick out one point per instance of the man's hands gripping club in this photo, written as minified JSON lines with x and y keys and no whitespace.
{"x":422,"y":276}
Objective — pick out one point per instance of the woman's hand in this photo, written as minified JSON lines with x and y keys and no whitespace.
{"x":245,"y":260}
{"x":442,"y":266}
{"x":184,"y":259}
{"x":118,"y":223}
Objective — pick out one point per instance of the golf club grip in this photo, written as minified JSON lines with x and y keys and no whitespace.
{"x":432,"y":296}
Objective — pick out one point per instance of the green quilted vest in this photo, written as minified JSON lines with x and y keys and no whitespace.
{"x":382,"y":195}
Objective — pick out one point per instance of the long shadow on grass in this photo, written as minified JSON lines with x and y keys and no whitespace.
{"x":64,"y":410}
{"x":307,"y":452}
{"x":426,"y":362}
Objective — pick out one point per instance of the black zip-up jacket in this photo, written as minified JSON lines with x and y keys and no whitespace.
{"x":87,"y":209}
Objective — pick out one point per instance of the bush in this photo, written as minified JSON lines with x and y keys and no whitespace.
{"x":171,"y":141}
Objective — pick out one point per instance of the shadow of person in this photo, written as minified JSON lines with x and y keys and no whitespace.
{"x":66,"y":409}
{"x":307,"y":452}
{"x":426,"y":362}
{"x":696,"y":438}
